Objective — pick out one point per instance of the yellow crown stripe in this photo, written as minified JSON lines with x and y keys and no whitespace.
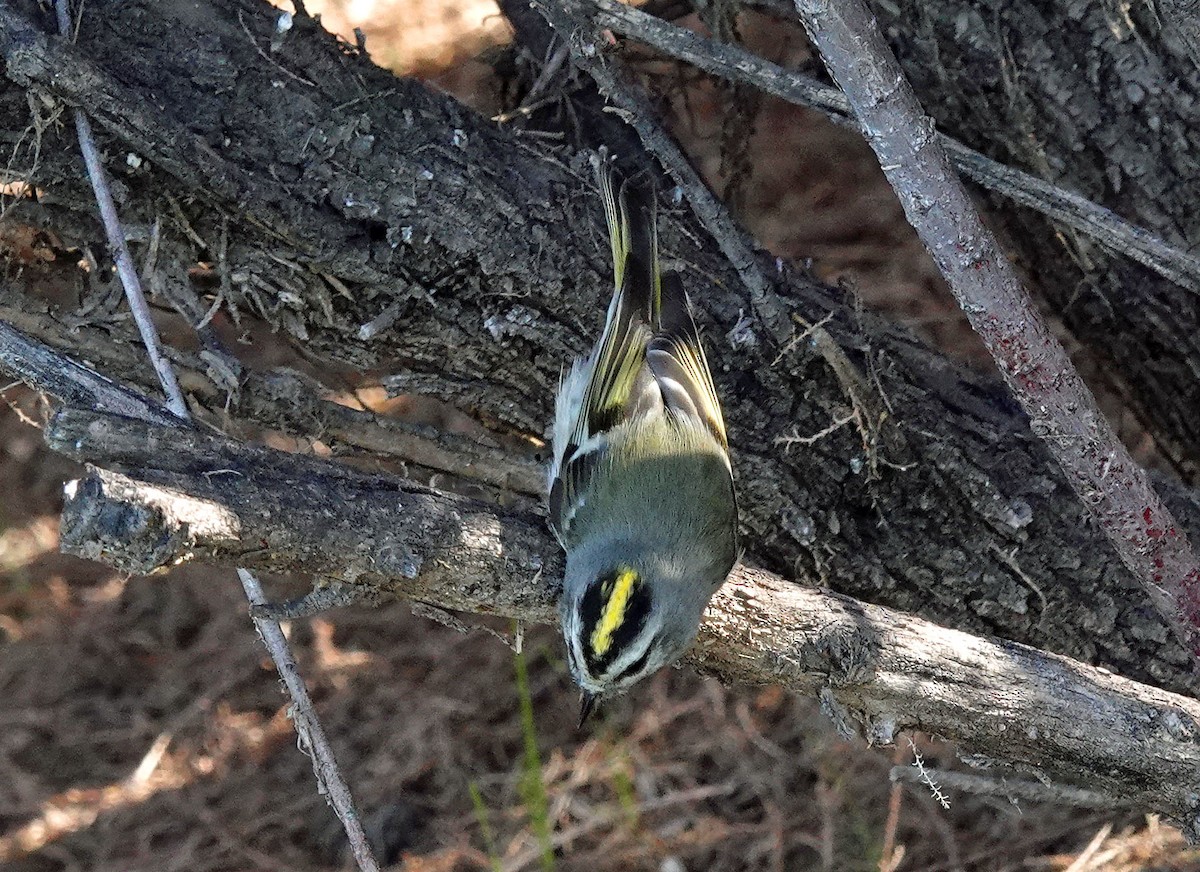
{"x":614,"y":611}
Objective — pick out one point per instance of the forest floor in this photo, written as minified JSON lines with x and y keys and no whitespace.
{"x":143,"y":728}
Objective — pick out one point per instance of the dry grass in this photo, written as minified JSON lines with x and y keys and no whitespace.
{"x":142,"y":728}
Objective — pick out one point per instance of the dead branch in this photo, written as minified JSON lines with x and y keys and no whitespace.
{"x":1012,"y":789}
{"x":1063,"y":411}
{"x":735,"y":64}
{"x":280,"y":398}
{"x":308,"y":727}
{"x":169,"y":496}
{"x":76,"y":385}
{"x":318,"y":517}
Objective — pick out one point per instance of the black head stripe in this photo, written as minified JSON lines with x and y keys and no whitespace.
{"x":592,"y":613}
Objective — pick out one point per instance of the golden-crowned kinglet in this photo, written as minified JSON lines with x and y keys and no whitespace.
{"x":641,"y":488}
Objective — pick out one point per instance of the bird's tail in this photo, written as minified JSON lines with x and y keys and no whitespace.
{"x":633,"y":233}
{"x":644,"y":296}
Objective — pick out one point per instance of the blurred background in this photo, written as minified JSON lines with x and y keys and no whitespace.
{"x":143,"y":728}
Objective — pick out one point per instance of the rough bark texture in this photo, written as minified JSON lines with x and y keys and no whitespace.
{"x":490,"y":249}
{"x":734,"y":64}
{"x":181,"y":494}
{"x":199,"y":496}
{"x":1103,"y":99}
{"x":1035,"y":366}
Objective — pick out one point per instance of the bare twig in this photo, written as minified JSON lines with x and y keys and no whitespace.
{"x":586,"y":49}
{"x":796,"y":439}
{"x":266,"y":57}
{"x":1032,"y":361}
{"x":305,"y":718}
{"x":1012,"y":788}
{"x":116,"y":241}
{"x":309,"y":729}
{"x":736,"y":64}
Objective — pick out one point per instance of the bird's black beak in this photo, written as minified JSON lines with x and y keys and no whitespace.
{"x":587,"y":702}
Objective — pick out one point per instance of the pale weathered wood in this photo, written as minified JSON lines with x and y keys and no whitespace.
{"x":188,"y":495}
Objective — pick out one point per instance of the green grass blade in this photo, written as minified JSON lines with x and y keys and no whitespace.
{"x":533,"y":791}
{"x":485,"y":827}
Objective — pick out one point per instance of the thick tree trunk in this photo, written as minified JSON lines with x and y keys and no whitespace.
{"x":345,"y":193}
{"x":1104,"y":100}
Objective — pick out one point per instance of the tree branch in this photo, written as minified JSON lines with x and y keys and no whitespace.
{"x":877,"y":671}
{"x":1012,"y":788}
{"x":280,"y":398}
{"x":428,"y":529}
{"x":735,"y":64}
{"x":76,"y":385}
{"x":1139,"y":526}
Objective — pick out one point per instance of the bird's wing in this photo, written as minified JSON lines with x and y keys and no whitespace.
{"x":676,"y":358}
{"x":612,"y":394}
{"x":648,"y":359}
{"x":613,"y":383}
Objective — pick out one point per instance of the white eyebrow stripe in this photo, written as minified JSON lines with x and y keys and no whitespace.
{"x":632,"y":654}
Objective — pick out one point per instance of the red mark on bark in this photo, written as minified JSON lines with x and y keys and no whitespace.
{"x":1191,"y":581}
{"x":1028,"y":379}
{"x":1189,"y":602}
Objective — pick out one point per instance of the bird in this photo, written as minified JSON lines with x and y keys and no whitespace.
{"x":641,"y":490}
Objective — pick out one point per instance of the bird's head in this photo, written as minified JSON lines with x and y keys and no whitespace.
{"x":621,"y":622}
